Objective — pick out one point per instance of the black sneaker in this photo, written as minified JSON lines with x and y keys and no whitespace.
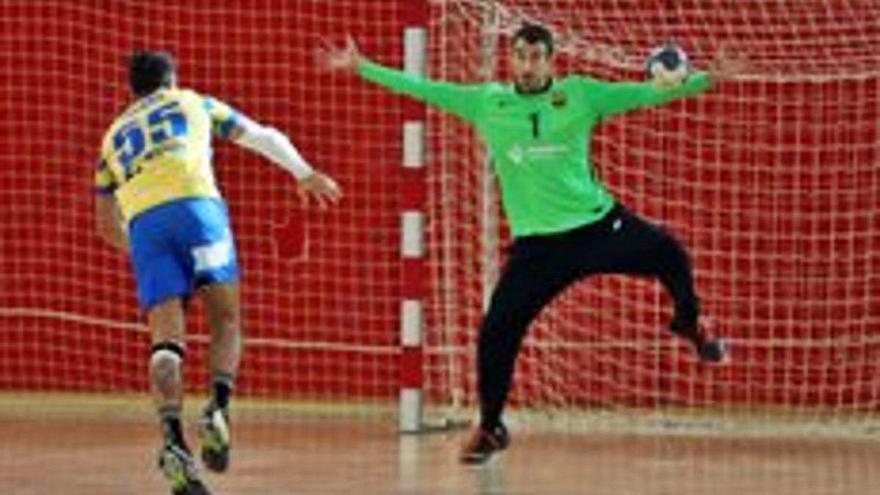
{"x":708,"y":349}
{"x":179,"y":468}
{"x":483,"y":443}
{"x":214,"y":438}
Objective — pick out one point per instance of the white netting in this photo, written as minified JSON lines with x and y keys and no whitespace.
{"x":321,"y":290}
{"x":771,"y":180}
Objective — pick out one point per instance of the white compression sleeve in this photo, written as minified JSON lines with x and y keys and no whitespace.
{"x":273,"y":145}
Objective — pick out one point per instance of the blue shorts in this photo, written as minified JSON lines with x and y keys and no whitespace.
{"x":179,"y":246}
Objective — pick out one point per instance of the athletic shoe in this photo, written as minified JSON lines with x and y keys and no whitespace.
{"x":708,"y":349}
{"x":214,"y":438}
{"x":483,"y":443}
{"x":179,"y":468}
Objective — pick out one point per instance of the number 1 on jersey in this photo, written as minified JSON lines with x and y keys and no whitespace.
{"x":536,"y":128}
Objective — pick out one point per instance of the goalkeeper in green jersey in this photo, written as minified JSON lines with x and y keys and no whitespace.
{"x":565,"y":223}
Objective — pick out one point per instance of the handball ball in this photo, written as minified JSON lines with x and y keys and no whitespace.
{"x":667,"y":65}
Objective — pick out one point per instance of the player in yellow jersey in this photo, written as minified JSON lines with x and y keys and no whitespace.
{"x":157,"y":198}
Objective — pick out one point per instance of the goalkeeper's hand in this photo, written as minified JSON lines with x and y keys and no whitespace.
{"x":320,"y":188}
{"x":344,"y":59}
{"x":725,"y":66}
{"x":665,"y":79}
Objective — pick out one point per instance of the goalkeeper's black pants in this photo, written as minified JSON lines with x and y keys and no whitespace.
{"x":540,"y":267}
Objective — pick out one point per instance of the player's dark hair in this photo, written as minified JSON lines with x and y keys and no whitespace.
{"x":534,"y":33}
{"x":149,"y":71}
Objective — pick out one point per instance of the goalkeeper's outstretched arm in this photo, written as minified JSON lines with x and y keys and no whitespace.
{"x":615,"y":98}
{"x":611,"y":98}
{"x":459,"y":99}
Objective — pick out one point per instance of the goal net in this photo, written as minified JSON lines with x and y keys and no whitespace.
{"x":320,"y":289}
{"x":772,"y":181}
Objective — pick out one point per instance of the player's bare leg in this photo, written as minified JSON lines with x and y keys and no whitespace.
{"x":166,"y":322}
{"x":222,"y":303}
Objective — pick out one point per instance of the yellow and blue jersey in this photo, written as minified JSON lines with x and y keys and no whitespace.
{"x":159,"y":150}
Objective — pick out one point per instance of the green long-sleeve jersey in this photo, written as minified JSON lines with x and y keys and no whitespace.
{"x":540,"y":144}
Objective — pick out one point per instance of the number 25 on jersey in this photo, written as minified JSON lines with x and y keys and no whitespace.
{"x":131,"y":140}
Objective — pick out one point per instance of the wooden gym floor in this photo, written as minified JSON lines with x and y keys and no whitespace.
{"x":53,"y":454}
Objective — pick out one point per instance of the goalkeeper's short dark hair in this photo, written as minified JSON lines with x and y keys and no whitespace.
{"x":534,"y":33}
{"x":149,"y":71}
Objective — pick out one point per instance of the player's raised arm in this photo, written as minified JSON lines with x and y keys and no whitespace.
{"x":277,"y":148}
{"x":670,"y":81}
{"x":612,"y":98}
{"x":459,"y":99}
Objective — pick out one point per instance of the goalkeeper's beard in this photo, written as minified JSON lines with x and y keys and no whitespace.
{"x":530,"y":84}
